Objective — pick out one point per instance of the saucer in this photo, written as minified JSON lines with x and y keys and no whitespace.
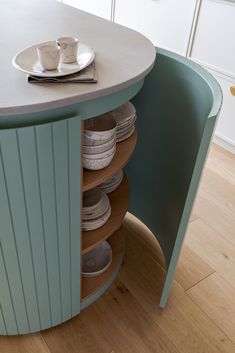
{"x":27,"y":61}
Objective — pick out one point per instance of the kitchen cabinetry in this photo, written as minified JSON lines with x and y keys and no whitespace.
{"x":213,"y":43}
{"x":213,"y":47}
{"x":102,"y":8}
{"x":167,"y":23}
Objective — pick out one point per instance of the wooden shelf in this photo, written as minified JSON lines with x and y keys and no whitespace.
{"x":92,"y":284}
{"x":92,"y":178}
{"x":119,"y":199}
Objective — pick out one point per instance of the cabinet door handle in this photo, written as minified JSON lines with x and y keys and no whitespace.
{"x":232,"y":90}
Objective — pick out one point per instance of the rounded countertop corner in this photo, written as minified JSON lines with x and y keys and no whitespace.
{"x":123,"y":56}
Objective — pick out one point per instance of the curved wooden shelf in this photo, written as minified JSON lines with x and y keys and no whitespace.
{"x":119,"y":199}
{"x":92,"y":284}
{"x":92,"y":178}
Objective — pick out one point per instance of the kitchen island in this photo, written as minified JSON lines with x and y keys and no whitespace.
{"x":42,"y":179}
{"x":41,"y":174}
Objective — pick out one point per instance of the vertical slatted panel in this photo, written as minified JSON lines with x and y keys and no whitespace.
{"x":40,"y":176}
{"x":48,"y":200}
{"x":74,"y":131}
{"x":17,"y":206}
{"x":7,"y":308}
{"x":3,"y":329}
{"x":8,"y":230}
{"x":60,"y":149}
{"x":29,"y":159}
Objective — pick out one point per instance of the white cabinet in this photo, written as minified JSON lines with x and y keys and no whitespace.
{"x":213,"y":46}
{"x":214,"y":43}
{"x":167,"y":23}
{"x":102,"y":8}
{"x":225,"y":129}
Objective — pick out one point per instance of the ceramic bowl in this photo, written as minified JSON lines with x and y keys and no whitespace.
{"x":100,"y":148}
{"x":99,"y":129}
{"x":97,"y":260}
{"x":96,"y":164}
{"x":91,"y":224}
{"x":102,"y":155}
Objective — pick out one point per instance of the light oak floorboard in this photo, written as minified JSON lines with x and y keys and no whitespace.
{"x":222,"y":162}
{"x":182,"y":320}
{"x":216,"y":298}
{"x":213,"y":249}
{"x":23,"y":344}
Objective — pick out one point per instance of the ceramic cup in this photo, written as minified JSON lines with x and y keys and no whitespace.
{"x":49,"y":55}
{"x":69,"y":48}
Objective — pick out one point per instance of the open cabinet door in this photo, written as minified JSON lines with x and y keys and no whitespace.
{"x":176,"y":114}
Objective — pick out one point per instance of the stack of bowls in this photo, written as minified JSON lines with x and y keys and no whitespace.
{"x":125,"y":117}
{"x":96,"y":209}
{"x":99,"y":142}
{"x":96,"y":261}
{"x":112,"y":183}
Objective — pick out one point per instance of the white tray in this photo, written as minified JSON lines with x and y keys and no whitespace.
{"x":27,"y":61}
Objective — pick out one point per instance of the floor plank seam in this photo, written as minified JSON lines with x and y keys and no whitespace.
{"x":202,"y":279}
{"x":43,"y":339}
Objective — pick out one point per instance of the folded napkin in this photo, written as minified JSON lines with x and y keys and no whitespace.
{"x":87,"y":75}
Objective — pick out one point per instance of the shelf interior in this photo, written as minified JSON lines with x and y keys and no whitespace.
{"x":119,"y":199}
{"x":124,"y":151}
{"x":90,"y":285}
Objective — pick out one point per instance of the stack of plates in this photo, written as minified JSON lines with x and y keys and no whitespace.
{"x":112,"y":183}
{"x":99,"y":142}
{"x":96,"y":209}
{"x":96,"y":261}
{"x":125,"y":117}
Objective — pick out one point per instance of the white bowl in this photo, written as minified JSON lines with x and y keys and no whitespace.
{"x":96,"y":164}
{"x":97,"y":260}
{"x":99,"y":129}
{"x":100,"y":155}
{"x":88,"y":142}
{"x":100,"y":148}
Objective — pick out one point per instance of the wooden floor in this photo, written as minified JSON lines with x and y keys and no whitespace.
{"x":200,"y":315}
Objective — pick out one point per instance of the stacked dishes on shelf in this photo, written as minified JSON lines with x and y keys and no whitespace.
{"x":99,"y":142}
{"x":96,"y":209}
{"x":112,"y":183}
{"x":97,"y":261}
{"x":125,"y":117}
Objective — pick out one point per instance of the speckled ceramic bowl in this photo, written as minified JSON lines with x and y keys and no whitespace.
{"x":96,"y":164}
{"x":98,"y":129}
{"x":100,"y":148}
{"x":100,"y":155}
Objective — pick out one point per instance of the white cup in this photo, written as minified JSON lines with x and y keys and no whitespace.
{"x":49,"y":55}
{"x":69,"y":48}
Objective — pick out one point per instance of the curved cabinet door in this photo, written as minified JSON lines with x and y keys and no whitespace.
{"x":176,"y":110}
{"x":40,"y":176}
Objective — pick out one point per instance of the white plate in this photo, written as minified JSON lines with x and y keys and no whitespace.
{"x":96,"y":223}
{"x":27,"y":61}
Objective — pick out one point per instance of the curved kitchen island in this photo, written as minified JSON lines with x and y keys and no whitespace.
{"x":41,"y":174}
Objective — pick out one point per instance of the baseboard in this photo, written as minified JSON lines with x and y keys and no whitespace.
{"x":224,"y":142}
